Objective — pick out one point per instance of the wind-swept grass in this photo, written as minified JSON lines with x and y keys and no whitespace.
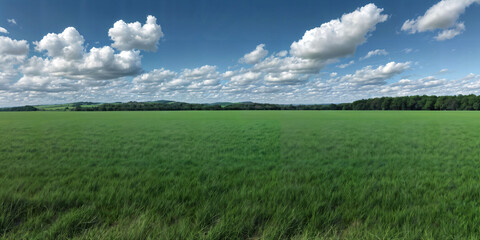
{"x":240,"y":175}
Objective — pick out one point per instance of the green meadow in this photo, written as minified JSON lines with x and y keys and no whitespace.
{"x":240,"y":175}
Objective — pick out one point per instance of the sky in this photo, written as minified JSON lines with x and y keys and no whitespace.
{"x":202,"y":51}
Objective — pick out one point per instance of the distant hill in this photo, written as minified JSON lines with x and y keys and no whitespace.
{"x":459,"y":102}
{"x":167,"y":105}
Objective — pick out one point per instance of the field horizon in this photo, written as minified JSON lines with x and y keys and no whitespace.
{"x":469,"y":102}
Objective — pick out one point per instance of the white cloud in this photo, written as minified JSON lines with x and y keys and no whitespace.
{"x":255,"y":56}
{"x":201,"y":73}
{"x":10,"y":46}
{"x":12,"y":21}
{"x":155,"y":76}
{"x":377,"y":52}
{"x":67,"y":58}
{"x":129,"y":36}
{"x":282,"y":53}
{"x":228,"y":74}
{"x":68,"y":44}
{"x":289,"y":64}
{"x":12,"y":53}
{"x":202,"y":78}
{"x":246,"y":78}
{"x":376,"y":76}
{"x":45,"y":84}
{"x":445,"y":70}
{"x":427,"y":85}
{"x":67,"y":62}
{"x":471,"y":76}
{"x":450,"y":33}
{"x":443,"y":15}
{"x":287,"y":78}
{"x":104,"y":63}
{"x":339,"y":37}
{"x":333,"y":74}
{"x":345,"y":65}
{"x":3,"y":30}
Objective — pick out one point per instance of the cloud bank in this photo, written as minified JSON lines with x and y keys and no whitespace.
{"x":61,"y":67}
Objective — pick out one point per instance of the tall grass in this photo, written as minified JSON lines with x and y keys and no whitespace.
{"x":240,"y":175}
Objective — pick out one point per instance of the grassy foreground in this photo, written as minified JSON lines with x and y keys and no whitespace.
{"x":240,"y":175}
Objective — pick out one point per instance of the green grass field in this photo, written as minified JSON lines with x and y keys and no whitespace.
{"x":240,"y":175}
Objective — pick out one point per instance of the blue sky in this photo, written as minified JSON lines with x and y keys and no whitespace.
{"x":196,"y":48}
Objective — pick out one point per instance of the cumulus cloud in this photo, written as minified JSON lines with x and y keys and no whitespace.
{"x":246,"y":78}
{"x":255,"y":56}
{"x":129,"y":36}
{"x":289,"y":64}
{"x":67,"y":63}
{"x":9,"y":47}
{"x":67,"y":69}
{"x":287,"y":78}
{"x":443,"y":15}
{"x":68,"y":44}
{"x":155,"y":76}
{"x":68,"y":58}
{"x":377,"y":52}
{"x":339,"y":37}
{"x":12,"y":53}
{"x":376,"y":76}
{"x":282,"y":53}
{"x":201,"y":73}
{"x":45,"y":84}
{"x":426,"y":85}
{"x":205,"y":77}
{"x":3,"y":30}
{"x":104,"y":63}
{"x":53,"y":74}
{"x":12,"y":21}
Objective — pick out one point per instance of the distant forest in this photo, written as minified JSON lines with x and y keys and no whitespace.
{"x":459,"y":102}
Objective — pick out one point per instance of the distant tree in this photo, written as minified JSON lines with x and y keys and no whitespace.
{"x":451,"y":103}
{"x":430,"y":103}
{"x":386,"y":103}
{"x":440,"y":103}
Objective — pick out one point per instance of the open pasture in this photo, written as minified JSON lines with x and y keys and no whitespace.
{"x":240,"y":175}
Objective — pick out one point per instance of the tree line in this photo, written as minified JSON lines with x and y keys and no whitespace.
{"x":19,"y":109}
{"x":458,"y":102}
